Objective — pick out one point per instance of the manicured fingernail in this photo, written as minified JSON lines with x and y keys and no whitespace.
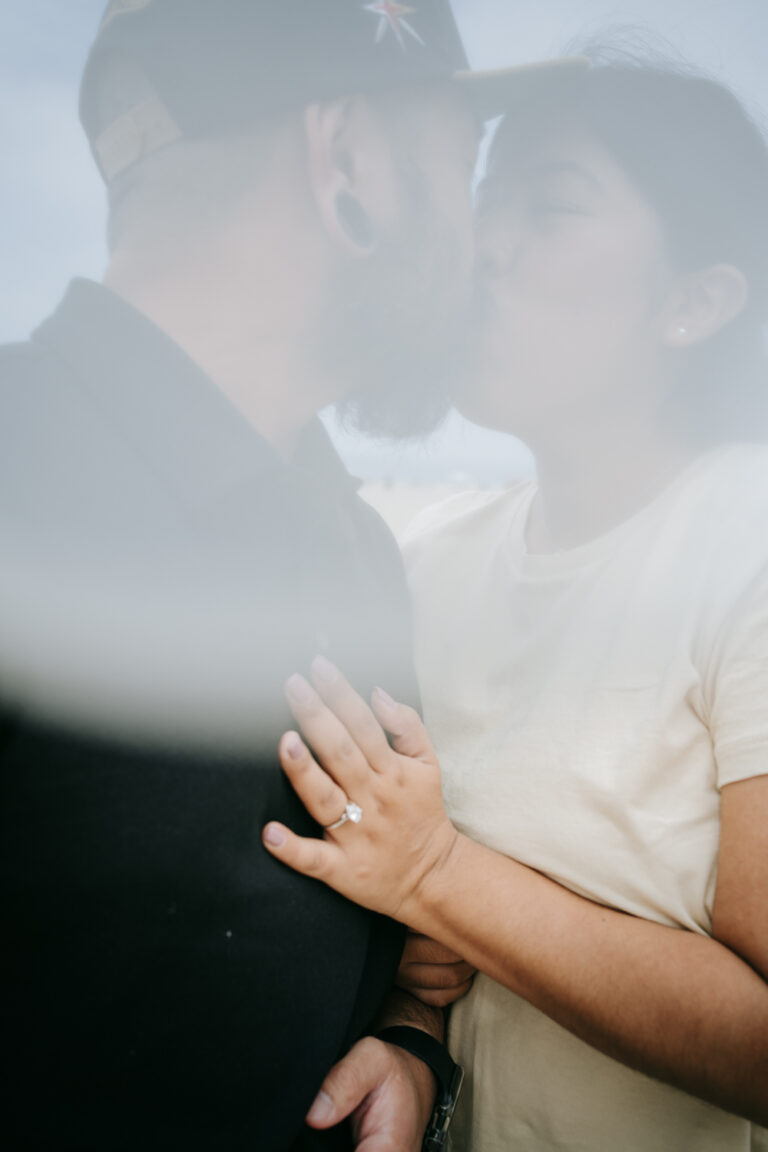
{"x":299,"y":690}
{"x":293,"y":747}
{"x":274,"y":836}
{"x":322,"y":1111}
{"x":384,"y":698}
{"x":324,"y":671}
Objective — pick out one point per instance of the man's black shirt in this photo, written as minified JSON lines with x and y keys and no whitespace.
{"x":164,"y":982}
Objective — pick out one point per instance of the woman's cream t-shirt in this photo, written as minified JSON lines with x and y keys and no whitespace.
{"x":587,"y":707}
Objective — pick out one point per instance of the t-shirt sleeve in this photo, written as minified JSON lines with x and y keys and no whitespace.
{"x":739,"y":690}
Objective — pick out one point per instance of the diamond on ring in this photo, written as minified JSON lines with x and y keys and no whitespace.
{"x":352,"y":814}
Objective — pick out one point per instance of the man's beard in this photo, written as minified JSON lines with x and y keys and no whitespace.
{"x":401,"y":326}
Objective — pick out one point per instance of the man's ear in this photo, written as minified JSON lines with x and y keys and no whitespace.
{"x":347,"y":164}
{"x":705,"y":303}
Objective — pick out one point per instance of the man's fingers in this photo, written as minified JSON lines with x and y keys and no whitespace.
{"x":348,"y":1084}
{"x":433,"y":973}
{"x":441,"y":998}
{"x":424,"y":950}
{"x":435,"y":976}
{"x":323,"y":798}
{"x":353,"y":712}
{"x":315,"y":858}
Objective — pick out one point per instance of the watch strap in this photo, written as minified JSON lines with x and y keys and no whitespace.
{"x":426,"y":1048}
{"x":448,"y":1074}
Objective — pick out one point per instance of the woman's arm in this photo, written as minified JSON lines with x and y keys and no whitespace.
{"x":682,"y":1008}
{"x":679,"y":1007}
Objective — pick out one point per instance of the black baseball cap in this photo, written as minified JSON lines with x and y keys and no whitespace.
{"x":164,"y":70}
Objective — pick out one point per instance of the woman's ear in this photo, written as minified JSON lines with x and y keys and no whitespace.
{"x":706,"y":303}
{"x":339,"y":145}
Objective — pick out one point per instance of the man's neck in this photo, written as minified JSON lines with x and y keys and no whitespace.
{"x":245,"y":338}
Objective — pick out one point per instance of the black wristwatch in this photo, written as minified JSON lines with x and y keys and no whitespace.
{"x":449,"y":1076}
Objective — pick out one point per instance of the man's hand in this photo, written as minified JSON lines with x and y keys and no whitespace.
{"x":433,"y":973}
{"x":388,"y":1093}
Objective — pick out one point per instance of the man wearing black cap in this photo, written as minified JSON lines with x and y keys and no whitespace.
{"x":289,"y":227}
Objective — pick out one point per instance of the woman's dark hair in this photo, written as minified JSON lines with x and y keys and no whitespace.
{"x":701,"y":161}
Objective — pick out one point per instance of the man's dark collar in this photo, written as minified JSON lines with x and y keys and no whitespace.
{"x":173,"y":414}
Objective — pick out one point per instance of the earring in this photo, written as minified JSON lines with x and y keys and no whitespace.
{"x":355,"y":222}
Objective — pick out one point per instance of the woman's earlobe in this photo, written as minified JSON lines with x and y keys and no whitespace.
{"x":355,"y":222}
{"x":714,"y":298}
{"x":679,"y":336}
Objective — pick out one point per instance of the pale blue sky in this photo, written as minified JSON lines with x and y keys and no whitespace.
{"x":52,"y":203}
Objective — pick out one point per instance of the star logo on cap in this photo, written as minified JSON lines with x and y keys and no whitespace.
{"x":393,"y":17}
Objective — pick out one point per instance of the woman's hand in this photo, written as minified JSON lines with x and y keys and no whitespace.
{"x":404,"y":836}
{"x":579,"y":962}
{"x":433,"y":973}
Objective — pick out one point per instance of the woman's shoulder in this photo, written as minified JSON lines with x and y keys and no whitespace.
{"x":724,"y":492}
{"x":465,"y":514}
{"x":720,"y":519}
{"x":745,"y":462}
{"x":738,"y":479}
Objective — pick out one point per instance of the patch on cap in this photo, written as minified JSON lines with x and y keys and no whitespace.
{"x":141,"y":126}
{"x":121,"y":8}
{"x":392,"y":17}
